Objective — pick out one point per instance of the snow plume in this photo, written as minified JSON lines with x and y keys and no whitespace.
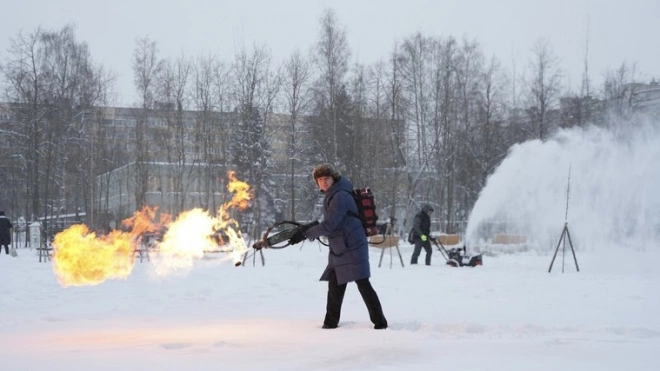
{"x":613,"y":197}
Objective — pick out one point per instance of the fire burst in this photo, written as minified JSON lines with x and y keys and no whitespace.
{"x":81,"y":257}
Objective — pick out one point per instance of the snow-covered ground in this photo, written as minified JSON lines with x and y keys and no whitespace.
{"x":509,"y":314}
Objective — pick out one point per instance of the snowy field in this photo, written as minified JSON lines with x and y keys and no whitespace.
{"x":509,"y":314}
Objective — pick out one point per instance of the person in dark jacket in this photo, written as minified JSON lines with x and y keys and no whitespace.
{"x":348,"y":255}
{"x":421,"y":231}
{"x":5,"y":232}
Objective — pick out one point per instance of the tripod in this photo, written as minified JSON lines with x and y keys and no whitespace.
{"x":254,"y":258}
{"x":389,"y":238}
{"x":564,"y":234}
{"x":562,"y":240}
{"x":254,"y":252}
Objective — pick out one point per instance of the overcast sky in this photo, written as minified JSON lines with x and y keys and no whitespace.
{"x":617,"y":31}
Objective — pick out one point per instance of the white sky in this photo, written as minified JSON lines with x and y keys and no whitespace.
{"x":618,"y":30}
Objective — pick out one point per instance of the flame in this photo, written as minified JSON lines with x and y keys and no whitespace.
{"x":185,"y":240}
{"x":144,"y":221}
{"x":83,"y":258}
{"x":241,"y":191}
{"x":240,"y":201}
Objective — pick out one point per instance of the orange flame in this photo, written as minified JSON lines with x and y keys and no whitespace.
{"x":83,"y":258}
{"x":144,"y":221}
{"x":240,"y":201}
{"x":241,"y":191}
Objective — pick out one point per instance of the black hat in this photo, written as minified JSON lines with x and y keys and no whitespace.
{"x":326,"y":170}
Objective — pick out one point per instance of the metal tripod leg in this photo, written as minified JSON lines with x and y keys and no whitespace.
{"x":562,"y":239}
{"x":572,"y":249}
{"x":254,"y":253}
{"x":399,"y":252}
{"x":388,"y":232}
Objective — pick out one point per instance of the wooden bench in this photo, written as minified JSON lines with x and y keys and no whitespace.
{"x":449,"y":239}
{"x":383,"y":241}
{"x":508,"y":239}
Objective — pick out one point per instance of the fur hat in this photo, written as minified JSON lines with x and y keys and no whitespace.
{"x":326,"y":170}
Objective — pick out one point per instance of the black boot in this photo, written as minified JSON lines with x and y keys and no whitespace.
{"x":335,"y":299}
{"x":373,"y":304}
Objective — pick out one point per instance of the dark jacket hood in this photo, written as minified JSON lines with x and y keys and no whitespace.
{"x":343,"y":184}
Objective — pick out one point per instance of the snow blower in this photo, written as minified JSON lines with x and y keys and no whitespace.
{"x":457,"y":256}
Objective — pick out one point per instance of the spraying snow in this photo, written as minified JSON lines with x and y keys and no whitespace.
{"x":613,"y":197}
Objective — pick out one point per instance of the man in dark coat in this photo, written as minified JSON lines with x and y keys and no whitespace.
{"x":421,"y":231}
{"x":348,"y":255}
{"x":5,"y":232}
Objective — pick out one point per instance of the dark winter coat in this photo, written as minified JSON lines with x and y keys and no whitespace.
{"x":422,"y":222}
{"x":348,"y":255}
{"x":5,"y":228}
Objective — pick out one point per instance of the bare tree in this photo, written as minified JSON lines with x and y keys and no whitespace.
{"x":68,"y":70}
{"x":485,"y":144}
{"x":297,"y":75}
{"x":211,"y":138}
{"x":585,"y":88}
{"x":469,"y":66}
{"x":172,"y":91}
{"x":25,"y":91}
{"x":618,"y":90}
{"x":331,"y":59}
{"x":544,"y":86}
{"x":577,"y":109}
{"x":146,"y":67}
{"x":418,"y":52}
{"x":394,"y":113}
{"x":363,"y":139}
{"x":255,"y":87}
{"x":445,"y":129}
{"x":52,"y":82}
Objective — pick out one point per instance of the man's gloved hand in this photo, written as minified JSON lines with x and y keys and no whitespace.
{"x":297,"y":238}
{"x":424,"y":238}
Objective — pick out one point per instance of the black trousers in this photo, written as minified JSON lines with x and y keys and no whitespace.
{"x":6,"y":248}
{"x":336,"y":298}
{"x":418,"y":249}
